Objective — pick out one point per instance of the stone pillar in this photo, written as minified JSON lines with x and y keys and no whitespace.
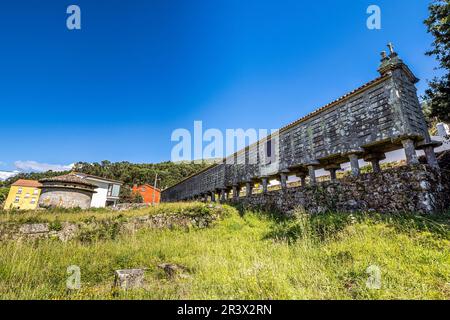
{"x":265,"y":183}
{"x":332,"y":168}
{"x":410,"y":152}
{"x":428,"y":148}
{"x":354,"y":164}
{"x":302,"y":176}
{"x":223,"y":197}
{"x":283,"y":180}
{"x":312,"y":174}
{"x":431,"y":156}
{"x":375,"y":165}
{"x":374,"y":159}
{"x":248,"y":188}
{"x":236,"y":190}
{"x":333,"y":174}
{"x":213,"y":196}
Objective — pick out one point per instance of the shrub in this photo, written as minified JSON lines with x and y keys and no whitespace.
{"x":55,"y":225}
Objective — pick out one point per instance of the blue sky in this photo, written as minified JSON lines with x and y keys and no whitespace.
{"x":137,"y":70}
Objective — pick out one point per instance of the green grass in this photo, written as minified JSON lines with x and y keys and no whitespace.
{"x":247,"y":256}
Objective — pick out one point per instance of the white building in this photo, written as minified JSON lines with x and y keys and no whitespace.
{"x":107,"y":191}
{"x":443,"y":130}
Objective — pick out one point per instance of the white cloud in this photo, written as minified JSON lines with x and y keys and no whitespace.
{"x":41,"y":167}
{"x":7,"y":174}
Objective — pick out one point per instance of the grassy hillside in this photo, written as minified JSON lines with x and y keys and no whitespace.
{"x":245,"y":256}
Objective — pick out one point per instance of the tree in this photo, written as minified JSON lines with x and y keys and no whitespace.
{"x":138,"y":198}
{"x":438,"y":93}
{"x":125,"y":194}
{"x":3,"y":195}
{"x":170,"y":173}
{"x":128,"y":196}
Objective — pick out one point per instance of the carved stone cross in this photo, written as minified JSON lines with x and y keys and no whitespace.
{"x":391,"y":47}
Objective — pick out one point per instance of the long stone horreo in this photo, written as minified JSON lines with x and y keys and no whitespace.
{"x":380,"y":116}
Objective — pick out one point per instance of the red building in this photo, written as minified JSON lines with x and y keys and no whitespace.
{"x":150,"y":194}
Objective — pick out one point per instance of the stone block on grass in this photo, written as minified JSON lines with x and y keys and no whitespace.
{"x":129,"y":279}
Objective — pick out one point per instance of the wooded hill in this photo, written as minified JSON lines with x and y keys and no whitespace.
{"x":169,"y":173}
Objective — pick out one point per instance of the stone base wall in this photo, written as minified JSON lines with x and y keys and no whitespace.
{"x":130,"y":206}
{"x":107,"y":228}
{"x":418,"y":189}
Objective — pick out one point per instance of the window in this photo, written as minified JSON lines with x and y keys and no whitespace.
{"x":268,"y":152}
{"x":269,"y":148}
{"x":16,"y":199}
{"x":33,"y":200}
{"x":27,"y":195}
{"x":115,"y":191}
{"x":36,"y":191}
{"x":110,"y":187}
{"x":19,"y":191}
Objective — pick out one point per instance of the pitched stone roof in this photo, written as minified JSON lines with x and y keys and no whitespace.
{"x":27,"y":183}
{"x":335,"y":102}
{"x":71,"y":177}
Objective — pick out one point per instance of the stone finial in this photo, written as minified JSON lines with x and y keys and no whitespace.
{"x":391,"y":47}
{"x":384,"y":61}
{"x":393,"y":55}
{"x":393,"y":61}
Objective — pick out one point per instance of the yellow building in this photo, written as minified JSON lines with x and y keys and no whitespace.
{"x":24,"y":195}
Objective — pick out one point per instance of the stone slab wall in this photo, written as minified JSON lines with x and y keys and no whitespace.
{"x":88,"y":229}
{"x":371,"y":120}
{"x":417,"y":189}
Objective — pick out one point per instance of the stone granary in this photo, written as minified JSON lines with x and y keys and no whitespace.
{"x":380,"y":116}
{"x":67,"y":191}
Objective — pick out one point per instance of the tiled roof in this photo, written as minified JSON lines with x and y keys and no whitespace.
{"x":146,"y":185}
{"x":334,"y":102}
{"x":84,"y":175}
{"x":27,"y":183}
{"x":68,"y":178}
